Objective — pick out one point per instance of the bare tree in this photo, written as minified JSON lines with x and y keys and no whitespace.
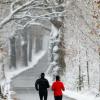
{"x":87,"y":63}
{"x":99,"y":68}
{"x":13,"y":52}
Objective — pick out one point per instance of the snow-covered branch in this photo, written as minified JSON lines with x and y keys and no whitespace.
{"x":9,"y":17}
{"x":87,"y":35}
{"x":12,"y":5}
{"x":36,"y":23}
{"x":49,"y":7}
{"x":81,"y":17}
{"x":44,"y":16}
{"x":34,"y":4}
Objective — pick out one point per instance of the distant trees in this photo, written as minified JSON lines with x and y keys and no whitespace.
{"x":13,"y":52}
{"x":54,"y":12}
{"x":88,"y":73}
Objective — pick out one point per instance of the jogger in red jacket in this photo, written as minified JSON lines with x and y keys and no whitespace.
{"x":57,"y":87}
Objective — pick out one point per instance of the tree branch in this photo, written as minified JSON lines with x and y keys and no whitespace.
{"x":9,"y":17}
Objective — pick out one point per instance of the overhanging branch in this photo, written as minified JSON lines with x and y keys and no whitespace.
{"x":9,"y":17}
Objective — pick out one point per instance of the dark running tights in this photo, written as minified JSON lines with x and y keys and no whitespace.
{"x":43,"y":95}
{"x":58,"y":97}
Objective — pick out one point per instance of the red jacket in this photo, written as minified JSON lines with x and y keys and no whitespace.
{"x":57,"y":87}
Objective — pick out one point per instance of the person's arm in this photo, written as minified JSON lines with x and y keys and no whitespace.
{"x":63,"y":88}
{"x":36,"y":85}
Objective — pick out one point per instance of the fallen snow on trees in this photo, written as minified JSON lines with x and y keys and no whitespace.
{"x":55,"y":49}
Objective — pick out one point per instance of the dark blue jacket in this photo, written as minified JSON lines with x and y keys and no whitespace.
{"x":42,"y":84}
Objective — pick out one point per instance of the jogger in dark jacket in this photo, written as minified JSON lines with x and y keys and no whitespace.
{"x":41,"y":85}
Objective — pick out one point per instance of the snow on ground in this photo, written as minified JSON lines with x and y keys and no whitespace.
{"x":87,"y":95}
{"x":6,"y":89}
{"x":92,"y":94}
{"x":37,"y":57}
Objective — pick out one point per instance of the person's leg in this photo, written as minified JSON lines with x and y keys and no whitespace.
{"x":60,"y":97}
{"x":41,"y":95}
{"x":55,"y":97}
{"x":45,"y":95}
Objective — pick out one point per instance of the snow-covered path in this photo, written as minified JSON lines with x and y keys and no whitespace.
{"x":23,"y":84}
{"x":27,"y":78}
{"x":32,"y":94}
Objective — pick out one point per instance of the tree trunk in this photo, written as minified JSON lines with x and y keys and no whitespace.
{"x":57,"y":48}
{"x":80,"y":75}
{"x":99,"y":70}
{"x":62,"y":54}
{"x":12,"y":53}
{"x":30,"y":46}
{"x":88,"y":70}
{"x":25,"y":60}
{"x":56,"y":44}
{"x":18,"y":51}
{"x":88,"y":74}
{"x":80,"y":78}
{"x":25,"y":49}
{"x":38,"y":43}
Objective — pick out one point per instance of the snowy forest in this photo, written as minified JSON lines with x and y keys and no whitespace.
{"x":58,"y":37}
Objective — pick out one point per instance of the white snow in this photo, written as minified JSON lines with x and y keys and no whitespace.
{"x":54,"y":32}
{"x":56,"y":57}
{"x":81,"y":95}
{"x":14,"y":73}
{"x":8,"y":18}
{"x":6,"y":89}
{"x":55,"y":49}
{"x":72,"y":56}
{"x":91,"y":94}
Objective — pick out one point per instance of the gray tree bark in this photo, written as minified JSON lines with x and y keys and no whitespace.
{"x":39,"y":43}
{"x":30,"y":46}
{"x":12,"y":52}
{"x":99,"y":70}
{"x":25,"y":49}
{"x":58,"y":23}
{"x":88,"y":77}
{"x":80,"y":78}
